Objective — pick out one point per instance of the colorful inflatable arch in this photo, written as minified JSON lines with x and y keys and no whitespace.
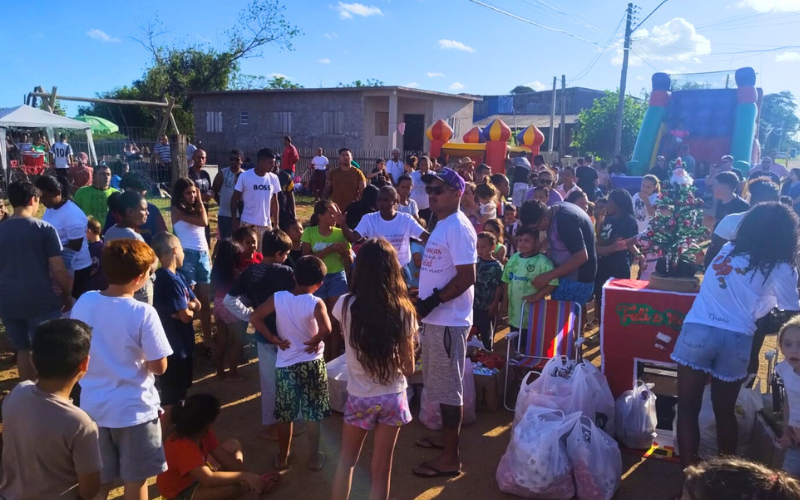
{"x":712,"y":122}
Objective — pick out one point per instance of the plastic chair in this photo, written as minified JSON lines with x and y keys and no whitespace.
{"x":554,"y":329}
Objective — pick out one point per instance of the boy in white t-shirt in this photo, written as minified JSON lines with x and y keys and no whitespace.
{"x":319,"y":175}
{"x":302,"y":379}
{"x":129,"y":347}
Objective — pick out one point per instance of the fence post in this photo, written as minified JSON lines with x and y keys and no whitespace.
{"x":179,"y":164}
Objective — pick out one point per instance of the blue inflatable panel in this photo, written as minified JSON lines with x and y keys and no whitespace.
{"x":704,"y":113}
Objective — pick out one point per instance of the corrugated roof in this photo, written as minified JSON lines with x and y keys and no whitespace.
{"x":522,"y":121}
{"x":468,"y":97}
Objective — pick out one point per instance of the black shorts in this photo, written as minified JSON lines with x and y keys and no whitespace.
{"x":176,"y":380}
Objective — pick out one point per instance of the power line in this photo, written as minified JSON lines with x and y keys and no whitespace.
{"x":648,"y":16}
{"x":533,"y":23}
{"x":585,"y":71}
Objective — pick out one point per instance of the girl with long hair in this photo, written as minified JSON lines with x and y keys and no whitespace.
{"x":752,"y":274}
{"x":380,"y":326}
{"x":324,"y":240}
{"x":230,"y":329}
{"x":189,"y":221}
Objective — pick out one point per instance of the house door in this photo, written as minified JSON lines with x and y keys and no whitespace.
{"x":414,"y":136}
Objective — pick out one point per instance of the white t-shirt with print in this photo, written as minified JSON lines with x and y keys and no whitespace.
{"x":118,"y":390}
{"x":359,"y":382}
{"x":727,"y":227}
{"x":61,"y":152}
{"x":294,"y":318}
{"x":257,"y":193}
{"x":791,"y":383}
{"x":397,"y":232}
{"x":418,"y":193}
{"x":731,"y":300}
{"x":640,"y":211}
{"x":70,"y":223}
{"x":452,"y":243}
{"x":320,"y":162}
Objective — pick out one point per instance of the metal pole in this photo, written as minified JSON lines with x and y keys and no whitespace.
{"x":623,"y":80}
{"x":552,"y":118}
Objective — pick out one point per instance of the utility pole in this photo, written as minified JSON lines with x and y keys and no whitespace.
{"x":552,"y":118}
{"x":623,"y":80}
{"x":562,"y":130}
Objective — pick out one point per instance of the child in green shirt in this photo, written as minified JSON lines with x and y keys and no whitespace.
{"x":520,"y":271}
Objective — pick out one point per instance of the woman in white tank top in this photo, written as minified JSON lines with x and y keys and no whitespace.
{"x":189,"y":221}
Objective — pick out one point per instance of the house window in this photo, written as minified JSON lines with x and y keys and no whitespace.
{"x":244,"y":118}
{"x":333,"y":122}
{"x":283,"y":122}
{"x":213,"y":121}
{"x":381,"y":124}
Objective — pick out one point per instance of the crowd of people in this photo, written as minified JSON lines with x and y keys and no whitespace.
{"x":404,"y":260}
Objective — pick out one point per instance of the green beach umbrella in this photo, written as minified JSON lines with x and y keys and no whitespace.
{"x":100,"y":125}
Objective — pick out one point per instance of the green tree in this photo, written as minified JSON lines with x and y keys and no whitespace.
{"x":595,"y":133}
{"x":690,"y":86}
{"x":522,"y":89}
{"x":369,"y":82}
{"x":779,"y":121}
{"x":177,"y":70}
{"x":254,"y":82}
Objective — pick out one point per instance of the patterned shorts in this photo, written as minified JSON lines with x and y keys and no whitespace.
{"x":302,"y":389}
{"x":573,"y":291}
{"x":388,"y":409}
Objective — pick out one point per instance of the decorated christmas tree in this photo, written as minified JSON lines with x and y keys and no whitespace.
{"x":677,"y":226}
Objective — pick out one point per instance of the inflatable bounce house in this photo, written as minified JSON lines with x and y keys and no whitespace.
{"x":712,"y":122}
{"x":488,"y":145}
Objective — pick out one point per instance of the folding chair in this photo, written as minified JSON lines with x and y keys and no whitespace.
{"x":554,"y":329}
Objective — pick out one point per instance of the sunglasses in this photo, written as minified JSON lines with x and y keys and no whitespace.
{"x":437,"y":190}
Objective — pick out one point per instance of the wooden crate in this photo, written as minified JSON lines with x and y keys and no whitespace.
{"x":764,"y":447}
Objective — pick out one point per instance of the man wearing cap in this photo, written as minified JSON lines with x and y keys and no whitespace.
{"x":446,"y":281}
{"x":466,"y":168}
{"x":769,"y":169}
{"x":395,"y":167}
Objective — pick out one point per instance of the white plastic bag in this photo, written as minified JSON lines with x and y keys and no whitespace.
{"x":601,"y":408}
{"x":430,"y":413}
{"x":337,"y":383}
{"x":554,"y":379}
{"x":636,"y":417}
{"x":535,"y":464}
{"x":595,"y":459}
{"x":748,"y":404}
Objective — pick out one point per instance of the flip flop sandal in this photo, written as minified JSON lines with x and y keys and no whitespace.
{"x":277,"y":464}
{"x":428,"y":444}
{"x":436,"y":472}
{"x":320,"y":462}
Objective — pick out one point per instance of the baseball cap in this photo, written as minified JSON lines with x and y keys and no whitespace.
{"x":448,"y":176}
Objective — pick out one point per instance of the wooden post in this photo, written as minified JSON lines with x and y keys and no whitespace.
{"x":167,"y":113}
{"x":52,"y":104}
{"x":179,"y":165}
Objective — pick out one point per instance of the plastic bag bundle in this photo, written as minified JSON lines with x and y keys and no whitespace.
{"x":430,"y":413}
{"x":535,"y":464}
{"x":337,"y":383}
{"x":596,"y":461}
{"x":598,"y":401}
{"x":636,"y":417}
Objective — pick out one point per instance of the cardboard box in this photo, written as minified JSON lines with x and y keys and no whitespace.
{"x":489,"y":390}
{"x":764,"y":447}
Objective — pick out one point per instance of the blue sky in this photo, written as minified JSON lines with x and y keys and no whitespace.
{"x":444,"y":45}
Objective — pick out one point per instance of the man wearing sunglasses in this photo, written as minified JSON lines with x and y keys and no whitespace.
{"x":545,"y":179}
{"x":223,"y":185}
{"x":446,"y":293}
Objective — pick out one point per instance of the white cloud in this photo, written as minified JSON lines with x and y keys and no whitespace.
{"x":788,"y":57}
{"x":457,"y":86}
{"x":101,"y":35}
{"x":324,"y":61}
{"x":768,"y":5}
{"x":676,"y":40}
{"x":412,"y":85}
{"x":537,"y":85}
{"x":431,"y":74}
{"x":348,"y":10}
{"x":331,"y":35}
{"x":452,"y":44}
{"x":279,"y":75}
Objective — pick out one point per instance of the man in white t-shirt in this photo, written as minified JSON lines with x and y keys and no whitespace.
{"x":395,"y":166}
{"x":62,"y":154}
{"x":258,"y":189}
{"x":319,"y":175}
{"x":446,"y":292}
{"x":418,"y":193}
{"x":395,"y":227}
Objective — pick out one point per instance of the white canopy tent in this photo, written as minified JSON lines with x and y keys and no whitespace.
{"x":26,"y":117}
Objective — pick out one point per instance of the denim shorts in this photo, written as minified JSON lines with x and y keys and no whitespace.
{"x":573,"y":291}
{"x":334,"y":285}
{"x":20,"y":330}
{"x":791,"y":461}
{"x":723,"y":354}
{"x":196,"y":267}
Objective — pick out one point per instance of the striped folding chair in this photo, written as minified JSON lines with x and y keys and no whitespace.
{"x":554,"y":329}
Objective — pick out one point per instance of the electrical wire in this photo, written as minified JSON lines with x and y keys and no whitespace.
{"x":585,"y":71}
